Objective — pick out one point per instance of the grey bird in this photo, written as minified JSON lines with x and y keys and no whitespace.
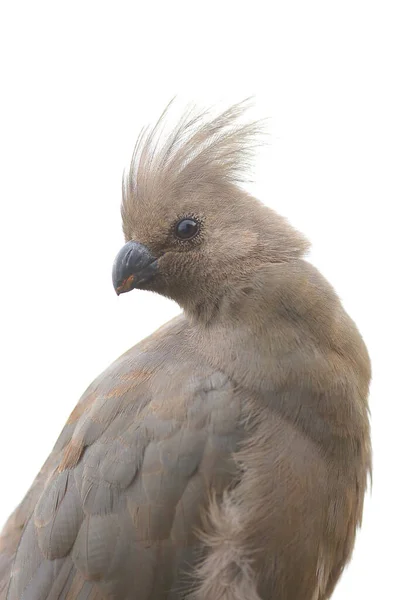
{"x":226,"y":456}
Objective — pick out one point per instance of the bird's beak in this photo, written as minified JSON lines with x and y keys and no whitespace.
{"x":133,"y":265}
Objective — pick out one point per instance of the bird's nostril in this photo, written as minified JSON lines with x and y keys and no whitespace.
{"x":128,"y":256}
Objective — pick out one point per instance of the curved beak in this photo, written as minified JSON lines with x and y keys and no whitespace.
{"x":133,"y":265}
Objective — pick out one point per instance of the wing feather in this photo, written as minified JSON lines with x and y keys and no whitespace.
{"x":113,"y":513}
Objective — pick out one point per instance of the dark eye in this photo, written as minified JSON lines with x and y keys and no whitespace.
{"x":186,"y":229}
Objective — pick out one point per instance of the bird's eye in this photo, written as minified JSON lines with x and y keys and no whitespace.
{"x":186,"y":229}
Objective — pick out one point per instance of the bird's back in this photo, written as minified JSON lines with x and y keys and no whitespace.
{"x":116,"y":506}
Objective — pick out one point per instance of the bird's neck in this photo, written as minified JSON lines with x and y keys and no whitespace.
{"x":286,"y":339}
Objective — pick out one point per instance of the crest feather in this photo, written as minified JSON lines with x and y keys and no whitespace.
{"x":201,"y":148}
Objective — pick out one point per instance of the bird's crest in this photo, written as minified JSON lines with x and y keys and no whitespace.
{"x":200,"y":148}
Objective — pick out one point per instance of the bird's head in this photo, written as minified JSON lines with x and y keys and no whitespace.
{"x":192,"y":233}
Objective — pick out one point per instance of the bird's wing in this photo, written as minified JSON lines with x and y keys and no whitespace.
{"x":11,"y":534}
{"x":113,"y":512}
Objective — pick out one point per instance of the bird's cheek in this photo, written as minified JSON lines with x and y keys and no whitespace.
{"x":179,"y":271}
{"x":171,"y":267}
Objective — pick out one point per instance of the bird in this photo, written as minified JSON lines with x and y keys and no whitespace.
{"x":227,"y":455}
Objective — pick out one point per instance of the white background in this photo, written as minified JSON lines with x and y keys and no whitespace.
{"x":78,"y":80}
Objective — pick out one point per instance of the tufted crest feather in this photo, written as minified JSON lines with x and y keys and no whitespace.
{"x":216,"y":150}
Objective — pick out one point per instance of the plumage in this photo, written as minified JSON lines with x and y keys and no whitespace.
{"x":226,"y":456}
